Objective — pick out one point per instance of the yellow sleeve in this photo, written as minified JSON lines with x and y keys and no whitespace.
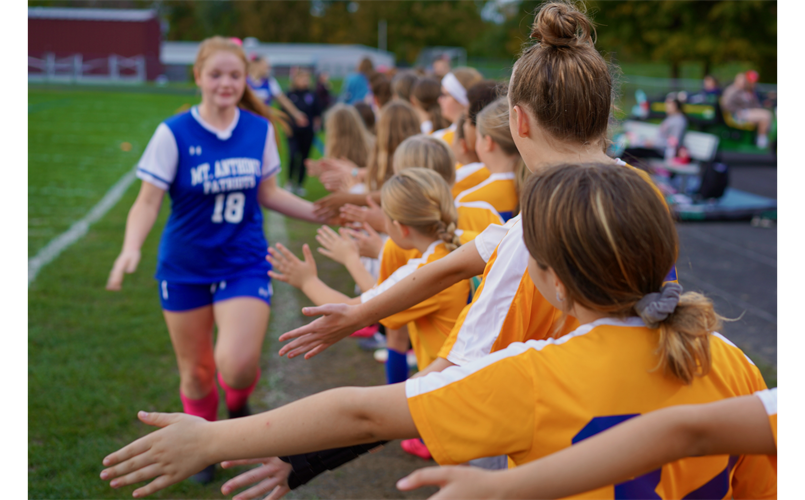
{"x":482,"y":409}
{"x":424,"y":308}
{"x":393,"y":257}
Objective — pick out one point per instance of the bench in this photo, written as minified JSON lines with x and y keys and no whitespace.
{"x":702,"y":148}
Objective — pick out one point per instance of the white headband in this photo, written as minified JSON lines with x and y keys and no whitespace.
{"x":455,"y":89}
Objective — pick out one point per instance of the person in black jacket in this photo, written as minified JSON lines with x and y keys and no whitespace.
{"x":302,"y":139}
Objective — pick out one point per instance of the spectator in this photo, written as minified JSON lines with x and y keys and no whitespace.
{"x":745,"y":107}
{"x":673,"y":127}
{"x":267,"y":88}
{"x":711,"y":86}
{"x":441,"y":66}
{"x":323,"y":88}
{"x":356,"y":85}
{"x":301,"y":140}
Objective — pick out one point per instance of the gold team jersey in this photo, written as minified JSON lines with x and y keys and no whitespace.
{"x":430,"y":321}
{"x":507,"y":307}
{"x":498,"y":190}
{"x":469,"y":176}
{"x":539,"y":397}
{"x":769,"y":400}
{"x":446,"y":134}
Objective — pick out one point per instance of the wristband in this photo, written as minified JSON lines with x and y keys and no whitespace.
{"x":355,"y":172}
{"x":306,"y":466}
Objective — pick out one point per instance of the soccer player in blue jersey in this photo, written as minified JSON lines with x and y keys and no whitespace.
{"x":218,"y":162}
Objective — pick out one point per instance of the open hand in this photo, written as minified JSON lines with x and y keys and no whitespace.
{"x":370,"y":244}
{"x":288,"y":268}
{"x":327,"y":207}
{"x":335,"y":180}
{"x":454,"y":482}
{"x":339,"y":247}
{"x":272,"y":476}
{"x":126,"y":262}
{"x":338,"y":321}
{"x":170,"y":454}
{"x":371,"y":214}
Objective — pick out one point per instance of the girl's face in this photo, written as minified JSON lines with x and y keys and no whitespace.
{"x":547,"y":283}
{"x":301,"y":80}
{"x":670,"y":107}
{"x":451,"y":109}
{"x":222,"y":79}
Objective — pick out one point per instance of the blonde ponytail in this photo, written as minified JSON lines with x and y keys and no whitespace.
{"x":421,"y":199}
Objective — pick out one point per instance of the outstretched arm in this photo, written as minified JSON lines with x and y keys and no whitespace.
{"x":339,"y":321}
{"x":302,"y":275}
{"x":343,"y":249}
{"x":141,"y":219}
{"x":733,"y":426}
{"x":186,"y":444}
{"x":275,"y":198}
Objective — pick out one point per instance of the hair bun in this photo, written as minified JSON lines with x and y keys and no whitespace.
{"x":561,"y":25}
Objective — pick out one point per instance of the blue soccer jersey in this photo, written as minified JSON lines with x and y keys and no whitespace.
{"x":266,"y":89}
{"x":215,"y":229}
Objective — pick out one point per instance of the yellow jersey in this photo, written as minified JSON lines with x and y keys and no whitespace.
{"x":477,"y":216}
{"x":498,"y":190}
{"x":430,"y":321}
{"x":446,"y":134}
{"x":535,"y":398}
{"x":507,"y":307}
{"x":469,"y":176}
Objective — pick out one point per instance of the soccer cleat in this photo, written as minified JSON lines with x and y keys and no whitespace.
{"x":243,"y":411}
{"x":416,"y":447}
{"x":205,"y":476}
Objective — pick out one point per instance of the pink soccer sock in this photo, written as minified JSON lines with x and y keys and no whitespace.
{"x":206,"y":407}
{"x":236,"y":398}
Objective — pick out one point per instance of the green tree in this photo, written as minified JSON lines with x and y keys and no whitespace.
{"x":674,"y":32}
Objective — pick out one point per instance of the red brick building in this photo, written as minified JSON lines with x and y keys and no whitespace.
{"x":96,"y":34}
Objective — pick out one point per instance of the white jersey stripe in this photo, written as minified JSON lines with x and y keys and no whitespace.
{"x":404,"y":271}
{"x":467,"y":170}
{"x":492,"y":178}
{"x":769,"y":400}
{"x":437,"y":380}
{"x":484,"y":320}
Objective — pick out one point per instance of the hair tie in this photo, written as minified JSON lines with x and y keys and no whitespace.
{"x":655,"y":307}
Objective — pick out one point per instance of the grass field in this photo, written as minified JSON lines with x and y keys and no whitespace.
{"x":96,"y":357}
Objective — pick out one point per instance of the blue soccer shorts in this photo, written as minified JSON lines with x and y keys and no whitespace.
{"x":186,"y":296}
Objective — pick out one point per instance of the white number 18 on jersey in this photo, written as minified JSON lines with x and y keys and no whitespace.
{"x":231,"y":211}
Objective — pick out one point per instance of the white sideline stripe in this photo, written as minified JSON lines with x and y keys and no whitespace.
{"x":77,"y":231}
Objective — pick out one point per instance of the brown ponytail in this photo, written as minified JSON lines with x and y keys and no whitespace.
{"x":248,"y":101}
{"x":611,"y":241}
{"x":562,"y":79}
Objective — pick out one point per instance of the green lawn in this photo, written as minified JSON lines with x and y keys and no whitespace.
{"x":96,"y":357}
